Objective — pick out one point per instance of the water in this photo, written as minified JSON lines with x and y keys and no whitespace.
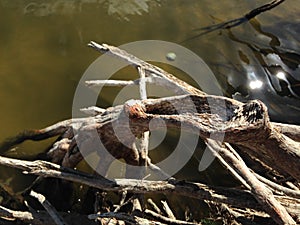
{"x":43,"y":54}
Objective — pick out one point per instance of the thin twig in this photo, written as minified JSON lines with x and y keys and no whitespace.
{"x":92,"y":110}
{"x":279,"y":188}
{"x":144,"y":145}
{"x":153,"y":205}
{"x":168,"y":210}
{"x":232,"y":170}
{"x":150,"y":69}
{"x":157,"y":170}
{"x":130,"y":219}
{"x":110,"y":83}
{"x":293,"y":186}
{"x":39,"y":218}
{"x":167,"y":219}
{"x":50,"y":209}
{"x":9,"y":214}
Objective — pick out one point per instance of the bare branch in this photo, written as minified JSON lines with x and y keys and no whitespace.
{"x":92,"y":110}
{"x":40,"y":218}
{"x":193,"y":190}
{"x":110,"y":83}
{"x":149,"y":68}
{"x":9,"y":214}
{"x":129,"y":219}
{"x":259,"y":190}
{"x":168,"y":210}
{"x":50,"y":209}
{"x":167,"y":219}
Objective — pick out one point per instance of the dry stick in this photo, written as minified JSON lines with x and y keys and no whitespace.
{"x":279,"y":188}
{"x":40,"y":218}
{"x":263,"y":195}
{"x":275,"y":186}
{"x":157,"y":170}
{"x":292,"y":131}
{"x":110,"y":83}
{"x":237,"y":198}
{"x":272,"y":185}
{"x":229,"y":196}
{"x":130,"y":219}
{"x":180,"y":86}
{"x":145,"y":136}
{"x":235,"y":172}
{"x":138,"y":203}
{"x":168,"y":210}
{"x":239,"y":217}
{"x":150,"y":79}
{"x":92,"y":110}
{"x":37,"y":135}
{"x":118,"y":83}
{"x":231,"y":169}
{"x":167,"y":219}
{"x":153,"y":205}
{"x":9,"y":214}
{"x":123,"y":202}
{"x":293,"y":186}
{"x":50,"y":209}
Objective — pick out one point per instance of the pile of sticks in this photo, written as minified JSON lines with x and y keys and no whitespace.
{"x":249,"y":136}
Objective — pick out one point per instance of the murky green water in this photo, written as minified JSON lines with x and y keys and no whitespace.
{"x":43,"y":53}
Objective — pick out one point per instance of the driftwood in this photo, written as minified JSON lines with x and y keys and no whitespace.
{"x":246,"y":126}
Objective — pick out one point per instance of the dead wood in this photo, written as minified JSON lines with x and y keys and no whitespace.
{"x":245,"y":125}
{"x":193,"y":190}
{"x":9,"y":216}
{"x":50,"y":209}
{"x":230,"y":196}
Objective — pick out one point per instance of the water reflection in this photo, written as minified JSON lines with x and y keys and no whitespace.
{"x":262,"y":62}
{"x":277,"y":68}
{"x":121,"y":8}
{"x":255,"y":84}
